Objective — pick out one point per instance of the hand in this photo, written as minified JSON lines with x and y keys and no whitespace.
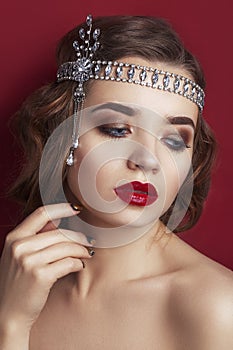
{"x":31,"y":263}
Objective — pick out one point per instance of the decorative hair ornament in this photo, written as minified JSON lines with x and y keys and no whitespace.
{"x":80,"y":71}
{"x":85,"y":68}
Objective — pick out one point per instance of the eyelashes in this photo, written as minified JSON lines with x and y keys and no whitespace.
{"x":176,"y":142}
{"x":114,"y":131}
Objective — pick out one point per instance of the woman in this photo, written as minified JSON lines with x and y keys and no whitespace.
{"x":108,"y":272}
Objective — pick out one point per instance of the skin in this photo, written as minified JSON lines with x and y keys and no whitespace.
{"x":156,"y":292}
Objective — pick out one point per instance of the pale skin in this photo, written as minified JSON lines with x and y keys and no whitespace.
{"x":156,"y":292}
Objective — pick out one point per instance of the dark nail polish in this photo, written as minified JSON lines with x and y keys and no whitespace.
{"x":76,"y":207}
{"x":91,"y":251}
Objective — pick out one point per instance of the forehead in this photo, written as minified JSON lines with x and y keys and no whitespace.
{"x":162,"y":102}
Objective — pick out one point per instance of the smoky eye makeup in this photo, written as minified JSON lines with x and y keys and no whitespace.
{"x":176,"y":133}
{"x":177,"y":139}
{"x":109,"y":123}
{"x":187,"y":136}
{"x":115,"y":130}
{"x":172,"y":139}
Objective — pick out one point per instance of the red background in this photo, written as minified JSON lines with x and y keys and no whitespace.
{"x":29,"y":34}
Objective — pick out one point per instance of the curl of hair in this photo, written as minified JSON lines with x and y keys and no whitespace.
{"x":121,"y":36}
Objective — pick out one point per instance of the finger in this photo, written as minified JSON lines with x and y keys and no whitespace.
{"x":60,"y":269}
{"x":34,"y":243}
{"x":41,"y":216}
{"x":54,"y":253}
{"x":78,"y":237}
{"x":51,"y":225}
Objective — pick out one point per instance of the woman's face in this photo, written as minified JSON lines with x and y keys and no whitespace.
{"x":134,"y":152}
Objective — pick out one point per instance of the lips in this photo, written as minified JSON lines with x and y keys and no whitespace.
{"x":137,"y":193}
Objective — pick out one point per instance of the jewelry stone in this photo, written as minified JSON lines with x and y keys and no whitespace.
{"x":82,"y":33}
{"x":108,"y":70}
{"x":186,"y":88}
{"x":176,"y":84}
{"x":143,"y":75}
{"x":82,"y":70}
{"x":119,"y":71}
{"x":155,"y":78}
{"x":131,"y":72}
{"x":166,"y":81}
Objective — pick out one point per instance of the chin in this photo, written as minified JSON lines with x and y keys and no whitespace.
{"x":131,"y":216}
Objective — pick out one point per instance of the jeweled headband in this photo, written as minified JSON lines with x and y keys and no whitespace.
{"x":85,"y":68}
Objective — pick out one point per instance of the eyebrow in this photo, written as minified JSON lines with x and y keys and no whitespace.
{"x":118,"y":107}
{"x":181,"y":121}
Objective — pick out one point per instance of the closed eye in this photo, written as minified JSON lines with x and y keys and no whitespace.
{"x":175,"y":143}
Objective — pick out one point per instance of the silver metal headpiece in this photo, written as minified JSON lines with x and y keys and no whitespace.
{"x":85,"y":68}
{"x":80,"y":71}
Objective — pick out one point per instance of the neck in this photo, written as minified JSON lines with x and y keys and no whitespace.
{"x":139,"y":259}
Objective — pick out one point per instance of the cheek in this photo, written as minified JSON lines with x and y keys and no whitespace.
{"x":100,"y":166}
{"x":108,"y":177}
{"x":174,"y":169}
{"x":93,"y":177}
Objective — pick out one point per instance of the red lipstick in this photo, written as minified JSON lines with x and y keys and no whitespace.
{"x":137,"y":193}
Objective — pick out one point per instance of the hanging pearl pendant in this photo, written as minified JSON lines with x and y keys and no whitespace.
{"x":70,"y":158}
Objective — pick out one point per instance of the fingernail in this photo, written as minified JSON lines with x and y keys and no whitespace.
{"x":91,"y":240}
{"x":76,"y":207}
{"x":83,"y":264}
{"x":91,"y":251}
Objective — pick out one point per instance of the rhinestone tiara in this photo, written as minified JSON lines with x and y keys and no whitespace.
{"x":137,"y":74}
{"x":86,"y":67}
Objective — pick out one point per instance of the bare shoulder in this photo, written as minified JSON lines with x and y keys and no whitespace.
{"x":202,"y":295}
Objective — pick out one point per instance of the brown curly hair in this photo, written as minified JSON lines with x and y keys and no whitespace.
{"x":121,"y":36}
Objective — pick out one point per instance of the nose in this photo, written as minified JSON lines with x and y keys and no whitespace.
{"x":143,"y":155}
